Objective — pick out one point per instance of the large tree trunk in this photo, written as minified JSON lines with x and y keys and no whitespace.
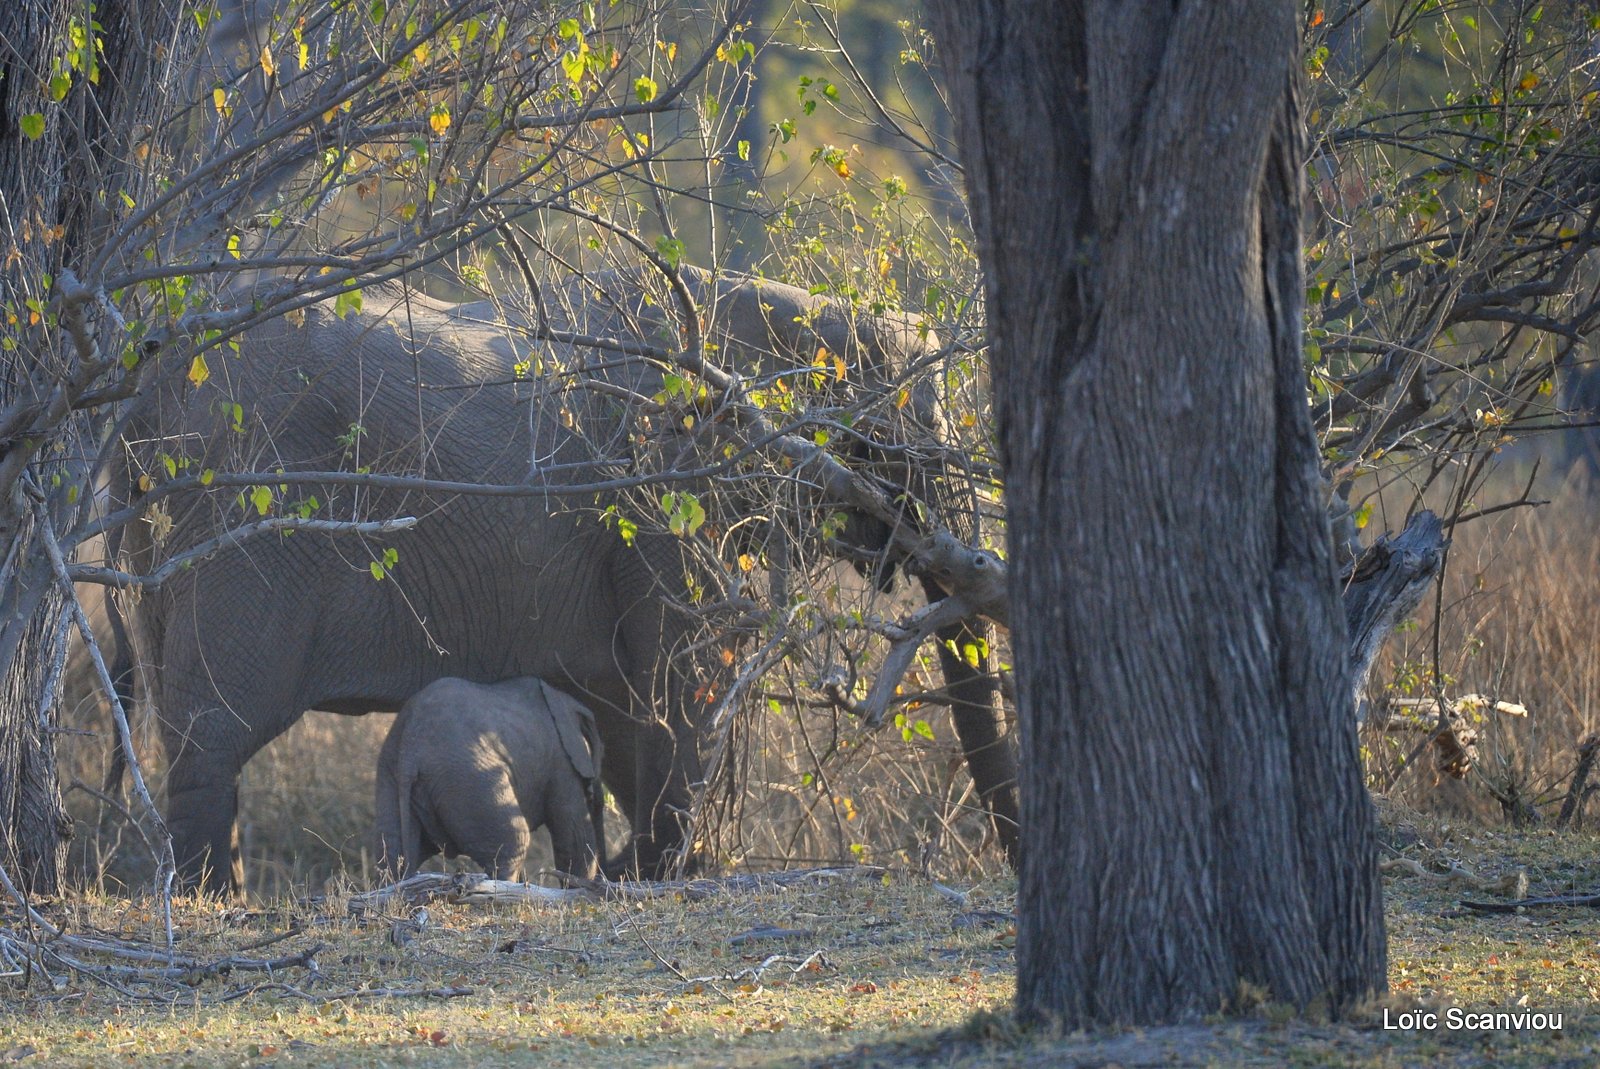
{"x":54,"y":189}
{"x":33,"y":822}
{"x":1193,"y":811}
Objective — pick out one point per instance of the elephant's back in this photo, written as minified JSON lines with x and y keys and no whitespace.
{"x":381,"y":390}
{"x":481,"y":725}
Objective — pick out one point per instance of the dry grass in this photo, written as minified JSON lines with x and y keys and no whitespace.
{"x":1520,"y":622}
{"x":654,"y":984}
{"x":896,"y":982}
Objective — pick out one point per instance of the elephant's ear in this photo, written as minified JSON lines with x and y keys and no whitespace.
{"x":575,"y":725}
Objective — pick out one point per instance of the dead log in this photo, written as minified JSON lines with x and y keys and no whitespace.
{"x":477,"y":889}
{"x":1384,"y":585}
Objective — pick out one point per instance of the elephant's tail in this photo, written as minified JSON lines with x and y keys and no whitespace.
{"x":410,"y":829}
{"x":596,"y":789}
{"x":399,"y":839}
{"x":119,"y":543}
{"x":122,"y":674}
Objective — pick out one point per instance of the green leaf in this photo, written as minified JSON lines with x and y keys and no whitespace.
{"x":685,"y":514}
{"x":744,"y":150}
{"x":261,"y":498}
{"x":573,"y":64}
{"x":347,"y":302}
{"x":645,"y":89}
{"x":33,"y":126}
{"x":376,"y":569}
{"x":671,"y":250}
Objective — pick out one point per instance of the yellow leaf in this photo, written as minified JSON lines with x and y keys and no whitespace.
{"x":198,"y":372}
{"x":267,"y":66}
{"x":439,"y":119}
{"x":746,"y":562}
{"x":902,"y":397}
{"x":841,"y":168}
{"x":219,"y":97}
{"x":839,"y":368}
{"x":1528,"y":82}
{"x":145,"y":483}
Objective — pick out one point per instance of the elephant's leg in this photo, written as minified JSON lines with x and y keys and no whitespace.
{"x":662,"y":780}
{"x":667,"y":701}
{"x":203,"y":802}
{"x":205,"y":751}
{"x":572,"y":842}
{"x":478,"y":812}
{"x":975,"y":710}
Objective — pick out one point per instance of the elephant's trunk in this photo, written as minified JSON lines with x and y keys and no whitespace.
{"x":966,"y":655}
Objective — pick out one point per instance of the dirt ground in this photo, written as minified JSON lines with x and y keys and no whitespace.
{"x":873,"y":968}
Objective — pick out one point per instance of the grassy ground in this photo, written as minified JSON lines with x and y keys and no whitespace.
{"x":875,"y":971}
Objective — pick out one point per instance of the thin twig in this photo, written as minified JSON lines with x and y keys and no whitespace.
{"x":166,"y":865}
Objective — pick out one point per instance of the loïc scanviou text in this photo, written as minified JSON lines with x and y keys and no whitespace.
{"x":1456,"y":1019}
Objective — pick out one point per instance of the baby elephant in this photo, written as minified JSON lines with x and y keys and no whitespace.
{"x":473,"y":768}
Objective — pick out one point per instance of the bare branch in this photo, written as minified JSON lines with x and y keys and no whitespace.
{"x":87,"y":573}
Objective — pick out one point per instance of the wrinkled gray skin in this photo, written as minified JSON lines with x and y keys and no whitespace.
{"x":477,"y":768}
{"x":487,"y":588}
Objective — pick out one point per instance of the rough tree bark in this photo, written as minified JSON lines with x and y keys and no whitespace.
{"x":1193,"y":811}
{"x":53,"y":189}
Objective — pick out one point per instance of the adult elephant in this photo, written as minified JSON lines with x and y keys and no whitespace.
{"x":487,"y":587}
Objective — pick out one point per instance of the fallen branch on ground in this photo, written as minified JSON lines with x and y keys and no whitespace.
{"x":1591,"y":900}
{"x":349,"y":993}
{"x":161,"y":974}
{"x":1513,"y":884}
{"x":815,"y":960}
{"x":476,"y":888}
